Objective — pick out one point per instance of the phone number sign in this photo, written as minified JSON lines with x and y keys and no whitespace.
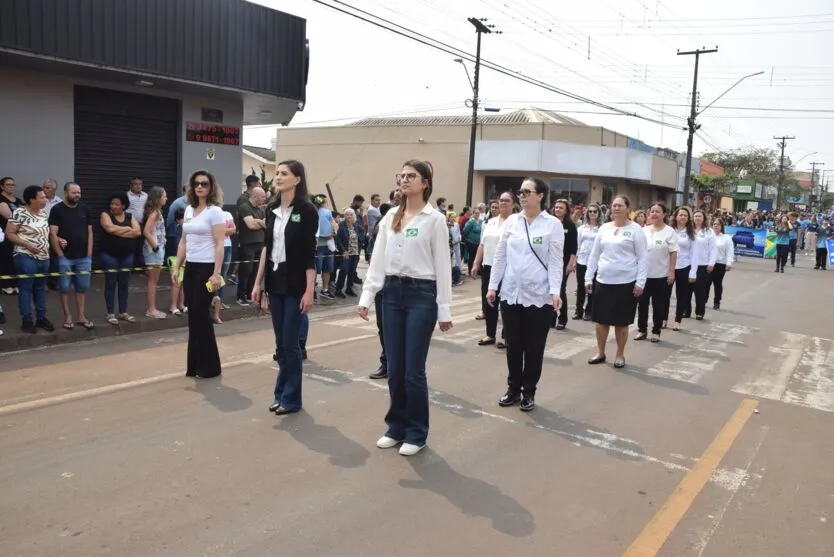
{"x":211,"y":133}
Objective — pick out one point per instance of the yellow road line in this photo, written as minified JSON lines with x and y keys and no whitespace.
{"x":658,"y":529}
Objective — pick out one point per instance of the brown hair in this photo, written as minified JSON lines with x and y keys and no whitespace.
{"x":215,"y":196}
{"x":154,"y":202}
{"x":624,"y":198}
{"x":424,"y":170}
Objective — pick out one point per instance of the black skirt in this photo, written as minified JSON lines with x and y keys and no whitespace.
{"x":614,"y":304}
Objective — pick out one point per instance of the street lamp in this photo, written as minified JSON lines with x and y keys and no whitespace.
{"x":804,"y":157}
{"x":733,"y":86}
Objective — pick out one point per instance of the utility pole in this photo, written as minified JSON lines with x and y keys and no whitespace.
{"x":480,"y":29}
{"x":691,"y":120}
{"x":782,"y":141}
{"x":814,"y":166}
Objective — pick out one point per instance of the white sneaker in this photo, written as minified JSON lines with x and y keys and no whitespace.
{"x":410,"y":450}
{"x":386,"y":442}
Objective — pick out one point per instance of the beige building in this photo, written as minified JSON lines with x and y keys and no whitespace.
{"x":259,"y":161}
{"x":580,"y":162}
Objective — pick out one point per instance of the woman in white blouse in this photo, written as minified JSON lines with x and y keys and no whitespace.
{"x":528,"y":267}
{"x":705,"y":240}
{"x":411,"y":265}
{"x":685,"y":267}
{"x":724,"y":259}
{"x":492,"y":231}
{"x":662,"y":243}
{"x":586,"y":234}
{"x":618,"y":261}
{"x":201,"y":250}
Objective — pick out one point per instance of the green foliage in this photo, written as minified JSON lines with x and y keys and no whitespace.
{"x":755,"y":163}
{"x":717,"y":183}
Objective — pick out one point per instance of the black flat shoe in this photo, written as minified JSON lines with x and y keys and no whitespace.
{"x":282,"y":411}
{"x":501,"y":345}
{"x":699,"y":318}
{"x":640,"y":336}
{"x":596,"y":360}
{"x":577,"y":316}
{"x":509,"y":399}
{"x":561,"y":327}
{"x":619,"y":364}
{"x":528,"y":402}
{"x":486,"y":341}
{"x":380,"y":373}
{"x":274,"y":406}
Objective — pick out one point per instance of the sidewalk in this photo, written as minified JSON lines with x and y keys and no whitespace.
{"x":14,"y":339}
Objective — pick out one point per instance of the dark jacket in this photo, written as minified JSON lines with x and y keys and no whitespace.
{"x":299,"y":241}
{"x":343,"y":236}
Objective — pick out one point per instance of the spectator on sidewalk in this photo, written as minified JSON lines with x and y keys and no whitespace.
{"x":154,"y":235}
{"x":372,"y":216}
{"x":325,"y":245}
{"x":28,"y":231}
{"x":177,"y":306}
{"x":173,"y":229}
{"x":119,"y":233}
{"x":217,"y":302}
{"x":8,"y":203}
{"x":50,"y":187}
{"x":137,"y":200}
{"x":252,"y":181}
{"x":252,"y":220}
{"x":349,"y":242}
{"x":71,"y":235}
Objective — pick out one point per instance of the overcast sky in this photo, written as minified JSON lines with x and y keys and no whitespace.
{"x":358,"y":70}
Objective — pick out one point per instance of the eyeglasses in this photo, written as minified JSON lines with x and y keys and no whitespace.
{"x":202,"y":184}
{"x":592,"y":211}
{"x":406,"y":177}
{"x":523,"y":192}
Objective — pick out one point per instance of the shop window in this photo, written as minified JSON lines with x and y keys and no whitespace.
{"x":574,"y":190}
{"x":608,"y":193}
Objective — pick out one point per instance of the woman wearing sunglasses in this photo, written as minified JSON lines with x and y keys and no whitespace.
{"x":585,"y":241}
{"x":201,"y":250}
{"x":528,"y":267}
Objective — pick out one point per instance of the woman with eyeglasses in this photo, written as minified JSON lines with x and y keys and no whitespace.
{"x":528,"y":267}
{"x":619,"y":263}
{"x":707,"y":252}
{"x":493,"y":230}
{"x":561,"y":210}
{"x":201,"y":251}
{"x":411,"y":266}
{"x":661,"y":258}
{"x":287,"y":276}
{"x":585,"y":236}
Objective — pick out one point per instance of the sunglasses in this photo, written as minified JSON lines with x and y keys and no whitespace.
{"x":525,"y":192}
{"x":202,"y":184}
{"x":592,"y":211}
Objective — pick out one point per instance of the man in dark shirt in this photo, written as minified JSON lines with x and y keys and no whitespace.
{"x":250,"y":235}
{"x":71,"y":236}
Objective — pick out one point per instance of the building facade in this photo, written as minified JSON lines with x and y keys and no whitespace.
{"x":102,"y":92}
{"x":579,"y":162}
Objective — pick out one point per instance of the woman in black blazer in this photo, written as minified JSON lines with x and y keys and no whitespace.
{"x":287,"y":275}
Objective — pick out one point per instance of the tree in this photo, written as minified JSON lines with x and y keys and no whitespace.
{"x":749,"y":162}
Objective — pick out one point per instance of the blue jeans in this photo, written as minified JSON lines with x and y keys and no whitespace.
{"x":409,"y":317}
{"x":113,"y":280}
{"x":305,"y":329}
{"x":286,"y":322}
{"x":224,"y":271}
{"x":81,"y":282}
{"x":31,"y":287}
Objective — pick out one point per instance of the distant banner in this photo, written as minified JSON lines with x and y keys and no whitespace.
{"x":830,"y":243}
{"x":749,"y":242}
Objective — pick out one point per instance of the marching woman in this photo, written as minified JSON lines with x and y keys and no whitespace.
{"x":528,"y":266}
{"x":724,"y":258}
{"x":411,"y":266}
{"x":783,"y":241}
{"x":586,"y":234}
{"x":618,"y":261}
{"x":661,"y":259}
{"x":685,"y":267}
{"x":824,"y":233}
{"x":201,"y":250}
{"x":561,"y":210}
{"x":707,"y":253}
{"x":492,"y":232}
{"x":287,"y":276}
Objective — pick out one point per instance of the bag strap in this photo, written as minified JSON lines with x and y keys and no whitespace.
{"x":529,"y":243}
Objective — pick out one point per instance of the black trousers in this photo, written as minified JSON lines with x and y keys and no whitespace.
{"x":822,"y":256}
{"x":656,"y":291}
{"x":471,"y":252}
{"x":717,"y":280}
{"x":563,"y":293}
{"x":683,"y":293}
{"x":138,"y":255}
{"x":490,"y":312}
{"x":580,"y":291}
{"x":792,"y":246}
{"x":247,"y":272}
{"x":383,"y":360}
{"x":526,"y":331}
{"x":203,"y":356}
{"x":701,"y":288}
{"x":782,"y":255}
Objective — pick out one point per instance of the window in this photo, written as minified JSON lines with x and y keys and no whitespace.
{"x":608,"y":192}
{"x":574,"y":190}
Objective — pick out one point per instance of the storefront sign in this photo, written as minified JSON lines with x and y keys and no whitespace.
{"x":199,"y":132}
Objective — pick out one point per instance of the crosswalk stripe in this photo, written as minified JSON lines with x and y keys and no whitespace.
{"x":771,"y":379}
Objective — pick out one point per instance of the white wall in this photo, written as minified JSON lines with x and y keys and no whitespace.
{"x":37,"y":130}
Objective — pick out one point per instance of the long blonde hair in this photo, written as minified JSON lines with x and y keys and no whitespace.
{"x":425,"y":172}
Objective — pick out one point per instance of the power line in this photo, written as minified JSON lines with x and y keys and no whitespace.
{"x":443,"y":47}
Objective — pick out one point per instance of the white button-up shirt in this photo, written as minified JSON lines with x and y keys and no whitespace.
{"x":687,"y":252}
{"x":490,"y":236}
{"x":662,"y":244}
{"x":523,"y":277}
{"x":725,"y":250}
{"x":619,"y":255}
{"x":137,"y":205}
{"x":279,"y":245}
{"x":586,"y":234}
{"x":419,"y":250}
{"x":705,"y":239}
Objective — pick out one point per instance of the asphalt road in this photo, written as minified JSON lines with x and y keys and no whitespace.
{"x":714,"y":442}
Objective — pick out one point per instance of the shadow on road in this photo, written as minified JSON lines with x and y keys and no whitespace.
{"x":327,"y":440}
{"x":643,"y":374}
{"x":472,"y":496}
{"x":455,"y":405}
{"x":225,"y":399}
{"x":585,"y":435}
